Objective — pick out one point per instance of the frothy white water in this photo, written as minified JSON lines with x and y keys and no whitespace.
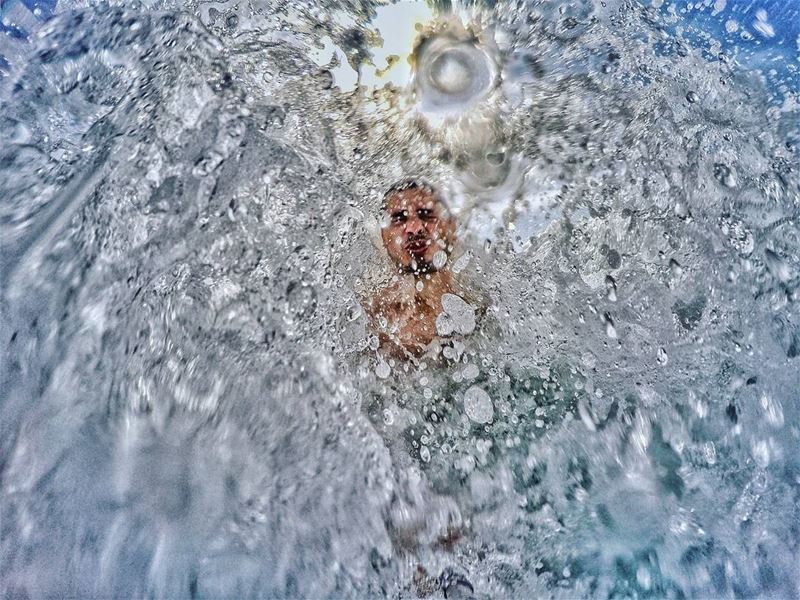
{"x":192,"y":404}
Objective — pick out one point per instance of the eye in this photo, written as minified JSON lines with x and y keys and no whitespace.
{"x":426,"y":214}
{"x":400,"y":216}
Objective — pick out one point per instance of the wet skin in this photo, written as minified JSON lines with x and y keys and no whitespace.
{"x":416,"y":227}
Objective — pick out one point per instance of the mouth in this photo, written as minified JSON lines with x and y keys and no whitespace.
{"x":417,"y":247}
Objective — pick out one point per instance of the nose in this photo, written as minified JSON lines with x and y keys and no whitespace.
{"x":414,"y":227}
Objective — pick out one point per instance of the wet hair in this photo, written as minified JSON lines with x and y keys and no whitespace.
{"x":414,"y":183}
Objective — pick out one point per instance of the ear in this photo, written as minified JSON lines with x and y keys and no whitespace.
{"x":449,"y":230}
{"x":385,"y":236}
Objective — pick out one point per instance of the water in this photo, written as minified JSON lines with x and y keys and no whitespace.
{"x":192,"y":404}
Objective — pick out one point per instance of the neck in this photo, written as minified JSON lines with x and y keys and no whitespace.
{"x":434,"y":283}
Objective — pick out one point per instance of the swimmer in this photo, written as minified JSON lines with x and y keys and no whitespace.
{"x":418,"y":234}
{"x":422,"y":304}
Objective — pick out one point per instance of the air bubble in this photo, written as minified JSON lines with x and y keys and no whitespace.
{"x":439,"y":259}
{"x":471,"y":371}
{"x":452,"y":74}
{"x":478,"y":405}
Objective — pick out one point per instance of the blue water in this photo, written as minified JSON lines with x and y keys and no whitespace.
{"x":777,"y":51}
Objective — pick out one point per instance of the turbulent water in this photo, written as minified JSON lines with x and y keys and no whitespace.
{"x":192,"y":403}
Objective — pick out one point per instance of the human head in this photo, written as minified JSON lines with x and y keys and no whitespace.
{"x":417,"y":226}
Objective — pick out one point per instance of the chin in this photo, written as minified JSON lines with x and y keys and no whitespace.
{"x":403,"y":262}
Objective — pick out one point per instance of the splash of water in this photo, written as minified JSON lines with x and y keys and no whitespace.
{"x":191,"y":401}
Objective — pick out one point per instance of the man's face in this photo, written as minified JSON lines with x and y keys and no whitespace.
{"x":417,"y":228}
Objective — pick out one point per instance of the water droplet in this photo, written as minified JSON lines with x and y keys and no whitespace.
{"x":611,"y":331}
{"x":611,"y":288}
{"x":478,"y":405}
{"x":382,"y":370}
{"x":661,"y":356}
{"x":425,"y":454}
{"x":772,"y":410}
{"x":675,"y":269}
{"x":725,"y":175}
{"x":470,"y":372}
{"x":456,"y":317}
{"x":496,"y":158}
{"x":586,"y":415}
{"x":462,"y":262}
{"x":777,"y":266}
{"x":643,"y":577}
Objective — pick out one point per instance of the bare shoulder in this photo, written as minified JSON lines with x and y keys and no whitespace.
{"x":385,"y":298}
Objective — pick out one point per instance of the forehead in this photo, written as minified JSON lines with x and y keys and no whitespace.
{"x":411,"y":199}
